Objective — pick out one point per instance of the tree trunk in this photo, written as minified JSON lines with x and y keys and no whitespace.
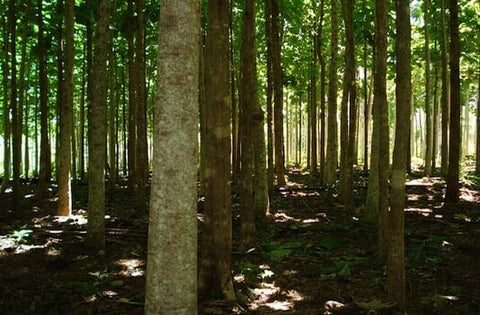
{"x":66,"y":109}
{"x":97,"y":131}
{"x":323,"y":76}
{"x":453,"y":186}
{"x":112,"y":102}
{"x":172,"y":264}
{"x":216,"y":247}
{"x":132,"y":111}
{"x":380,"y":102}
{"x":141,"y":158}
{"x":14,"y":106}
{"x":313,"y":109}
{"x":477,"y":149}
{"x":396,"y":286}
{"x":436,"y":117}
{"x":428,"y":105}
{"x":278,"y":94}
{"x":44,"y":176}
{"x":332,"y":139}
{"x":445,"y":90}
{"x":233,"y":91}
{"x":349,"y":118}
{"x":248,"y":99}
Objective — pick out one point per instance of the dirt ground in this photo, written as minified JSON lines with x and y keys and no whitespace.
{"x":312,"y":257}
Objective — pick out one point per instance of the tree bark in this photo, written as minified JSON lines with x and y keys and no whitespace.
{"x":445,"y":91}
{"x":428,"y":104}
{"x":97,"y":131}
{"x":132,"y":111}
{"x":452,"y":194}
{"x":380,"y":102}
{"x":332,"y":137}
{"x":349,"y":118}
{"x":216,"y":246}
{"x":248,"y":88}
{"x":141,"y":158}
{"x":323,"y":77}
{"x":277,"y":95}
{"x":66,"y":109}
{"x":172,"y":265}
{"x":44,"y":176}
{"x":396,"y":286}
{"x":436,"y":117}
{"x":477,"y":149}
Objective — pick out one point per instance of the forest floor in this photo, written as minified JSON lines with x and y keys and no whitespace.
{"x":312,"y":257}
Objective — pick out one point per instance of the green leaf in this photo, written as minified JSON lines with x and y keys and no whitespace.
{"x":331,"y":243}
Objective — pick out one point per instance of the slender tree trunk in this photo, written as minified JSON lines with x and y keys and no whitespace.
{"x":172,"y":264}
{"x":97,"y":130}
{"x":313,"y":110}
{"x":16,"y":116}
{"x":26,"y":113}
{"x":112,"y":102}
{"x":452,"y":194}
{"x":66,"y":109}
{"x":349,"y":118}
{"x":278,"y":94}
{"x":141,"y":158}
{"x":323,"y":77}
{"x":233,"y":90}
{"x":436,"y":117}
{"x":428,"y":104}
{"x":248,"y":99}
{"x":466,"y":123}
{"x":477,"y":149}
{"x":380,"y":102}
{"x":44,"y":176}
{"x":132,"y":111}
{"x":332,"y":139}
{"x":216,"y":247}
{"x":445,"y":91}
{"x":396,"y":286}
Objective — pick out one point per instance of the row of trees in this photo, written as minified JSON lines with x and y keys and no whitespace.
{"x":96,"y":55}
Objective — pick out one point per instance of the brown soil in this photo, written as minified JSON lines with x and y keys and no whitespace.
{"x":312,"y":256}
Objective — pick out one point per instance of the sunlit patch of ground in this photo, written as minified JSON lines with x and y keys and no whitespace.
{"x":131,"y":267}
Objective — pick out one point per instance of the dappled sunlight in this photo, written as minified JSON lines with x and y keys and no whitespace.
{"x":282,"y":300}
{"x":423,"y":211}
{"x":281,"y":216}
{"x":131,"y":267}
{"x":71,"y":219}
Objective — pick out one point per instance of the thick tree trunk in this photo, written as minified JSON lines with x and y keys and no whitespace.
{"x":233,"y":91}
{"x":66,"y":109}
{"x":428,"y":104}
{"x":216,"y":246}
{"x":452,"y":194}
{"x":278,"y":95}
{"x":172,"y":264}
{"x":396,"y":286}
{"x":248,"y":99}
{"x":97,"y":131}
{"x":445,"y":91}
{"x":332,"y":139}
{"x":44,"y":176}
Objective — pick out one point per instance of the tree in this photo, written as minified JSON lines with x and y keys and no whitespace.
{"x":172,"y":243}
{"x":247,"y":98}
{"x":349,"y":109}
{"x":477,"y":154}
{"x":332,"y":131}
{"x":428,"y":104}
{"x":381,"y":122}
{"x":278,"y":94}
{"x":396,"y":287}
{"x":97,"y":131}
{"x":269,"y":92}
{"x":45,"y":168}
{"x":216,"y":246}
{"x":445,"y":88}
{"x":452,"y":194}
{"x":66,"y":109}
